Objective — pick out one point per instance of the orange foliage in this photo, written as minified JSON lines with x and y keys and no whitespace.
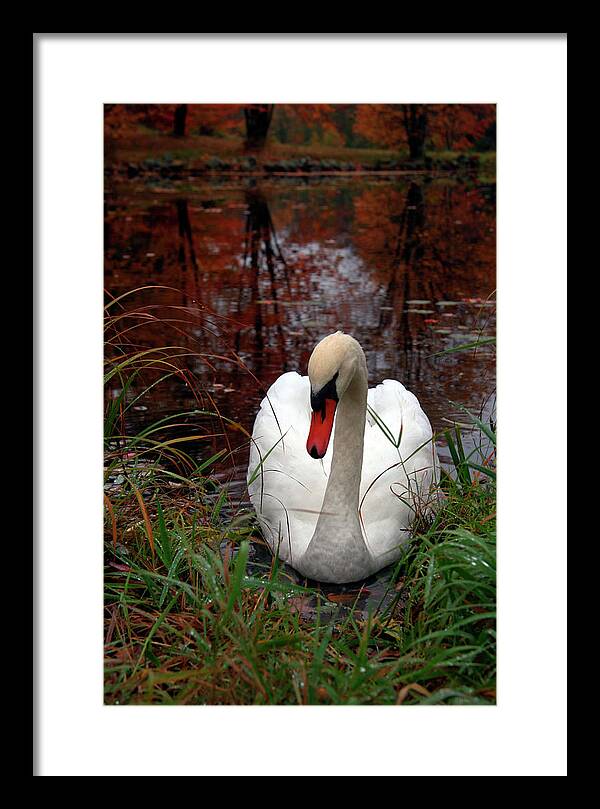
{"x":124,"y":120}
{"x":447,"y":126}
{"x":121,"y":120}
{"x":442,"y":126}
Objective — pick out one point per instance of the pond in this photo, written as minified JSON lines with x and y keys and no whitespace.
{"x":250,"y":272}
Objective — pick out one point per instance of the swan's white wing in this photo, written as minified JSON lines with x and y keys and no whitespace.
{"x":395,"y":480}
{"x":289,"y":485}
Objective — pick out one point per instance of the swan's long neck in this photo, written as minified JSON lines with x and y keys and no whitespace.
{"x":337,"y":550}
{"x":348,"y":447}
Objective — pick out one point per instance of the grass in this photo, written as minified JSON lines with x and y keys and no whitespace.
{"x":152,"y":150}
{"x":148,"y":144}
{"x":191,"y":619}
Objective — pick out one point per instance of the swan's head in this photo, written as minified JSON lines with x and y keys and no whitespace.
{"x":331,"y":368}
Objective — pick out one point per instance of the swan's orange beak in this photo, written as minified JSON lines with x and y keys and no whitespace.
{"x":321,"y":426}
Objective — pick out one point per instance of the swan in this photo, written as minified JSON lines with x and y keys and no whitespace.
{"x":339,"y":514}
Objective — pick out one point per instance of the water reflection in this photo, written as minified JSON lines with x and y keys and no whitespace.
{"x":261,"y":271}
{"x":186,"y":254}
{"x":262,"y":255}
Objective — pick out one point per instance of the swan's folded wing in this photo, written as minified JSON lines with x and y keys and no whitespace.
{"x":399,"y":466}
{"x":394,"y":407}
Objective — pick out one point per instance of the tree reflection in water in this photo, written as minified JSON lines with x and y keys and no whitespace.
{"x":262,"y":272}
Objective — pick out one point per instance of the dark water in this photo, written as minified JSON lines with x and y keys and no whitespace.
{"x":261,"y":270}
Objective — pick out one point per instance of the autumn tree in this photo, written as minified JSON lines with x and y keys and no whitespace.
{"x":253,"y":121}
{"x":179,"y":118}
{"x":258,"y":120}
{"x":458,"y":126}
{"x":309,"y":123}
{"x":395,"y":126}
{"x":446,"y":126}
{"x":123,"y":120}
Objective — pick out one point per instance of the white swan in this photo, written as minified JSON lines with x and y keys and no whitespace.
{"x":339,"y":514}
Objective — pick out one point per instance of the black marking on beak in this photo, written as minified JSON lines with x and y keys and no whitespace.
{"x":328,"y":391}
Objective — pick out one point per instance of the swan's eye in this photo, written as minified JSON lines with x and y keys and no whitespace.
{"x":328,"y":391}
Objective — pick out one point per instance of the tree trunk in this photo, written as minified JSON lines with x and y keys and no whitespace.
{"x":415,"y":123}
{"x":179,"y":120}
{"x":258,"y":119}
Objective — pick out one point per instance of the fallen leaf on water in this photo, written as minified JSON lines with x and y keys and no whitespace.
{"x":346,"y":598}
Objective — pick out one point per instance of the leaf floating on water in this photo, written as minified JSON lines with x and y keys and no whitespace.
{"x":347,"y":598}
